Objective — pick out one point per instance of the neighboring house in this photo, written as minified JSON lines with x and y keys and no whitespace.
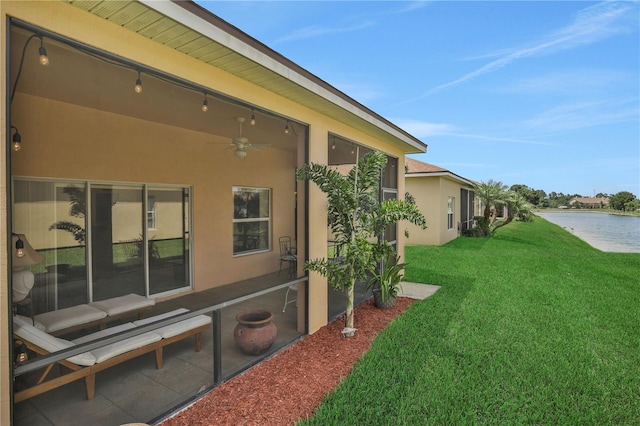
{"x":135,"y":174}
{"x":445,"y":198}
{"x":590,"y":202}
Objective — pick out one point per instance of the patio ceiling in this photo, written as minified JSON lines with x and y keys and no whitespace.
{"x":79,"y":78}
{"x":190,"y":29}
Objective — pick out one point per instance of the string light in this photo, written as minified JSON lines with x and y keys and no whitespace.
{"x":44,"y":59}
{"x":17,"y":139}
{"x":138,"y":86}
{"x":19,"y":248}
{"x":205,"y":104}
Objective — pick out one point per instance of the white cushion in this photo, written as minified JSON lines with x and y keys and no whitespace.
{"x":50,"y":343}
{"x":155,"y":318}
{"x":22,"y":320}
{"x":104,"y":333}
{"x":182,"y":326}
{"x":69,"y":317}
{"x":109,"y":351}
{"x":119,"y":305}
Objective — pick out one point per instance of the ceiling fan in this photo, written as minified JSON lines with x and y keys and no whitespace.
{"x":241,"y":143}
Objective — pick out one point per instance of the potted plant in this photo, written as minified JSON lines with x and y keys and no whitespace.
{"x":386,"y":283}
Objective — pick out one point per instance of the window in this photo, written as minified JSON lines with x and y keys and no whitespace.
{"x":251,"y":220}
{"x":450,"y":207}
{"x":151,"y":213}
{"x":467,"y":213}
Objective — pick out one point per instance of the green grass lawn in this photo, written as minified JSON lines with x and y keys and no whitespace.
{"x":531,"y":326}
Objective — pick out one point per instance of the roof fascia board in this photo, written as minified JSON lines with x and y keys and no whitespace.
{"x":440,"y":174}
{"x":185,"y":17}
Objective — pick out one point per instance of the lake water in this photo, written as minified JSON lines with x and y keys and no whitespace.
{"x":603,"y":231}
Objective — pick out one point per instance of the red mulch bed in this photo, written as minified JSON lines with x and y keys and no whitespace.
{"x":290,"y":385}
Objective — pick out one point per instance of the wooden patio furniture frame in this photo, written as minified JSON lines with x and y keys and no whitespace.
{"x":88,"y":373}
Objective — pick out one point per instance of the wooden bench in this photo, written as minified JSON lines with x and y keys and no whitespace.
{"x":86,"y":365}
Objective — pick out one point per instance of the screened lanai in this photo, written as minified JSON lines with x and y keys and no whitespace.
{"x":129,"y":180}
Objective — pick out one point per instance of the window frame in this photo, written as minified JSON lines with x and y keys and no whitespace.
{"x":450,"y":212}
{"x":259,"y":219}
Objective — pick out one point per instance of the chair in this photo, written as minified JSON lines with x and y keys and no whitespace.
{"x":88,"y":364}
{"x":293,"y":288}
{"x":288,"y":254}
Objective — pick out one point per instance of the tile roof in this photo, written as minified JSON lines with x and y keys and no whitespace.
{"x":415,"y":166}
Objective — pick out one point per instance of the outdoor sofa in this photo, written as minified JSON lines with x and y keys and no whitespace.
{"x":86,"y":365}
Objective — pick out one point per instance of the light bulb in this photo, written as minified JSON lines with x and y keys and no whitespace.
{"x":138,"y":86}
{"x":22,"y":356}
{"x":205,"y":106}
{"x":19,"y":248}
{"x":253,"y":119}
{"x":16,"y":140}
{"x":44,"y":59}
{"x":286,"y":129}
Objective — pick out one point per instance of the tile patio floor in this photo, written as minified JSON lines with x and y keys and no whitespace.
{"x":135,"y":391}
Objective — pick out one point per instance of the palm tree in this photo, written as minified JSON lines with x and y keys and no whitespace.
{"x":517,"y":206}
{"x":356,"y":217}
{"x":492,"y":194}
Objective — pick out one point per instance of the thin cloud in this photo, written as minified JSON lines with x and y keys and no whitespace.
{"x":411,"y":6}
{"x":590,"y":25}
{"x":316,"y":31}
{"x":423,"y":129}
{"x":576,"y":81}
{"x":487,"y":138}
{"x":583,"y":114}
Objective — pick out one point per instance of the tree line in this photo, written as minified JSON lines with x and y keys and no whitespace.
{"x":622,"y":201}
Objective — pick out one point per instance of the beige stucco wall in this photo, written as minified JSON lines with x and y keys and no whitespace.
{"x":111,"y":147}
{"x":155,"y":153}
{"x":431,"y":194}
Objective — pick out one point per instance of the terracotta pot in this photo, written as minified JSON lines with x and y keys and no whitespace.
{"x":255,"y":332}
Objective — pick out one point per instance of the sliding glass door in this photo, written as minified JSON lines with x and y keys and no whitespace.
{"x":116,"y":241}
{"x":102,"y":240}
{"x":168,"y":236}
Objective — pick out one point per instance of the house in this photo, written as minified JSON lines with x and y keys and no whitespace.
{"x":157,"y":153}
{"x":445,"y":198}
{"x":589,"y":202}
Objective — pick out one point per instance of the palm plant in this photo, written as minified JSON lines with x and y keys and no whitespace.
{"x":387,"y":282}
{"x":492,"y":194}
{"x":517,"y":207}
{"x":356,"y":217}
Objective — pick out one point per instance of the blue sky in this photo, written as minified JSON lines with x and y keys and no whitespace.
{"x":542,"y":93}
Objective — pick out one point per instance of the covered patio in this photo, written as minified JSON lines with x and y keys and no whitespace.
{"x":152,"y":150}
